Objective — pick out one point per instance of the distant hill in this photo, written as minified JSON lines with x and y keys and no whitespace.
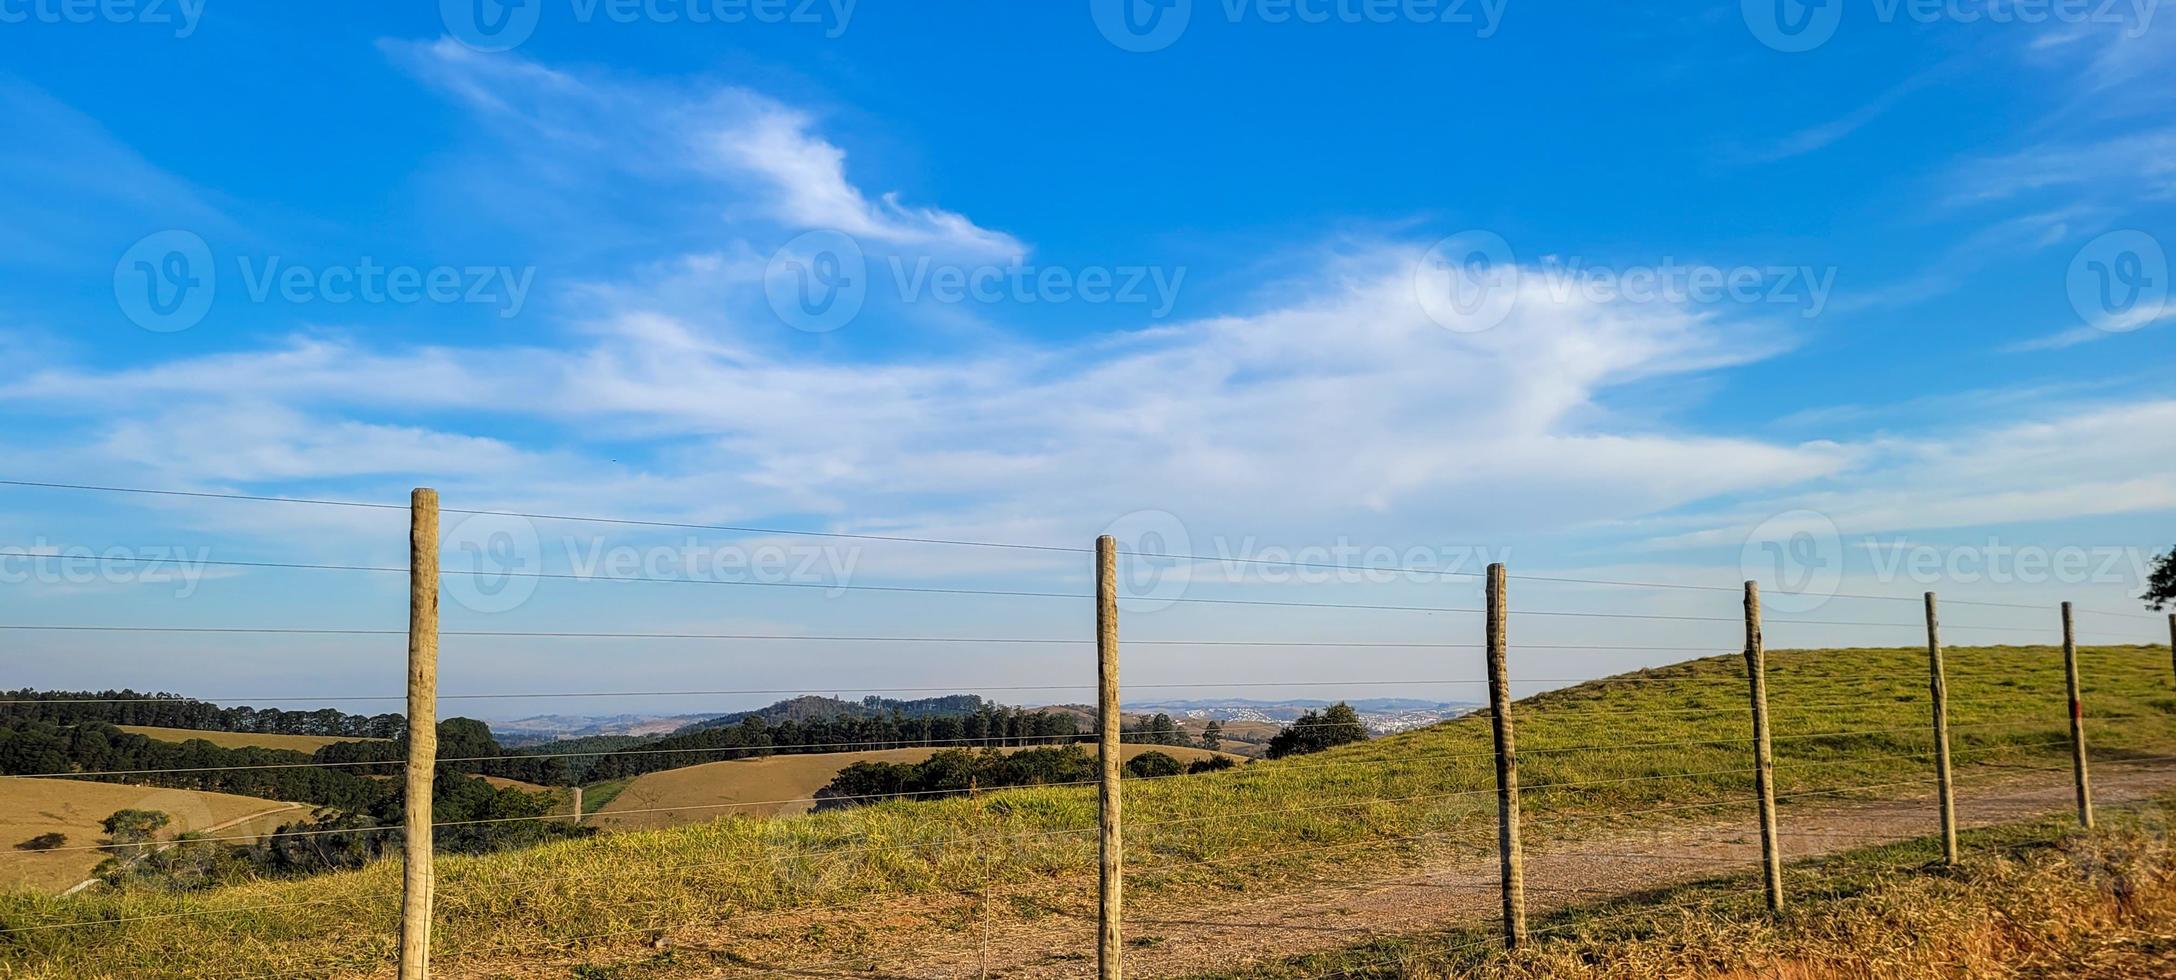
{"x":810,"y":707}
{"x":1381,"y":715}
{"x":551,"y":728}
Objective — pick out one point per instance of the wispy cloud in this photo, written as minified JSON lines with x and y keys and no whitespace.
{"x":751,"y":153}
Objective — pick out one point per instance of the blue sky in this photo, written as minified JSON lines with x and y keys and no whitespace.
{"x":1923,"y":313}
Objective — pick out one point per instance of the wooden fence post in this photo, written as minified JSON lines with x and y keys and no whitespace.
{"x":1764,"y":761}
{"x":1513,"y":858}
{"x":415,"y":911}
{"x":1938,"y":687}
{"x":2077,"y":720}
{"x":1109,"y":943}
{"x":2172,"y":642}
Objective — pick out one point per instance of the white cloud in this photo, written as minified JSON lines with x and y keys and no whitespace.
{"x":752,"y":152}
{"x":1347,"y":404}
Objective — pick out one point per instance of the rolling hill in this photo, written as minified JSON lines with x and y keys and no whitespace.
{"x":1639,"y":752}
{"x":769,"y":786}
{"x":242,"y":740}
{"x":74,"y":807}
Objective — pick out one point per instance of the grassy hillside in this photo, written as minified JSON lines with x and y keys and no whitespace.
{"x":241,"y":740}
{"x":2040,"y":899}
{"x":663,"y":799}
{"x":1607,"y":754}
{"x":31,"y":807}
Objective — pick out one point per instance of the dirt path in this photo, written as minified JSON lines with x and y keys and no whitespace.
{"x":1172,"y":936}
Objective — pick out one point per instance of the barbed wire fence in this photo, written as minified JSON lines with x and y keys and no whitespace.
{"x":1458,"y":831}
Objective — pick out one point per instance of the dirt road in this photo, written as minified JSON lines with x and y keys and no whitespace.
{"x":1172,"y":936}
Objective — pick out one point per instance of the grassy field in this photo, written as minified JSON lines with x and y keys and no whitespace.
{"x":1638,"y":750}
{"x":31,"y":807}
{"x":2041,"y":899}
{"x":241,"y":740}
{"x":766,"y":787}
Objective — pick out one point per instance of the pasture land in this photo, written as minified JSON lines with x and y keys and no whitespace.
{"x":241,"y":740}
{"x":31,"y":807}
{"x":907,"y":885}
{"x":769,"y":786}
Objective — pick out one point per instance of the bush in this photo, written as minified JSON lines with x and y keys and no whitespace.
{"x":1153,"y":764}
{"x":134,"y":826}
{"x":1215,"y":763}
{"x":1336,"y":725}
{"x":43,"y":842}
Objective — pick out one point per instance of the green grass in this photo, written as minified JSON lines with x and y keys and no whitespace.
{"x":596,"y":796}
{"x":1601,"y":755}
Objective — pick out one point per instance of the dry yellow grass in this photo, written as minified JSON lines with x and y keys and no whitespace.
{"x":31,"y":807}
{"x":770,"y":786}
{"x":241,"y":740}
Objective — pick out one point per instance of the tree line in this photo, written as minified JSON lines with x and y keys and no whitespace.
{"x":345,"y":798}
{"x":957,"y":772}
{"x":753,"y":736}
{"x":126,"y":707}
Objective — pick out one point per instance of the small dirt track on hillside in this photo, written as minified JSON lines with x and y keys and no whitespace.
{"x":1179,"y":938}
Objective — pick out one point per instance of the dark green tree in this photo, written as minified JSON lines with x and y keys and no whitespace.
{"x":1153,"y":765}
{"x":1336,"y":725}
{"x":2161,"y":584}
{"x":1212,"y":737}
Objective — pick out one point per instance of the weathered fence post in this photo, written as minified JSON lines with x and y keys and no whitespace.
{"x":415,"y":911}
{"x":2077,"y":720}
{"x":1938,"y":687}
{"x":1109,"y":944}
{"x":577,"y":805}
{"x":2172,"y":642}
{"x":1513,"y":859}
{"x":1764,"y":760}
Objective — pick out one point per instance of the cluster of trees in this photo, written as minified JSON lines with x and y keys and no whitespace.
{"x":347,"y":798}
{"x":125,"y":707}
{"x":957,"y":772}
{"x":1162,"y":729}
{"x":988,"y":726}
{"x":463,"y":739}
{"x":815,"y":708}
{"x":198,"y":860}
{"x":1335,"y":725}
{"x":35,"y":747}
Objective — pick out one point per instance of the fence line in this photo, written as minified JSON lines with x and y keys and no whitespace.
{"x":419,"y":881}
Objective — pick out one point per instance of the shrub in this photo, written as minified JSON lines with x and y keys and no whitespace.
{"x":1336,"y":725}
{"x":1152,"y":765}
